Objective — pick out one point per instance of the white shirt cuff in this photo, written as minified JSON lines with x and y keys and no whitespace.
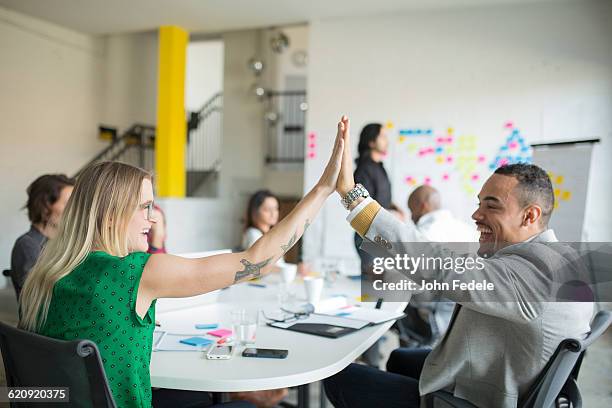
{"x":358,"y":209}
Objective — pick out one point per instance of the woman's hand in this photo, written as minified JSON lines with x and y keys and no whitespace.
{"x":346,"y":182}
{"x":329,"y":178}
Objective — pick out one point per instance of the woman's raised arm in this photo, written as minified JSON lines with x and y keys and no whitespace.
{"x":174,"y":276}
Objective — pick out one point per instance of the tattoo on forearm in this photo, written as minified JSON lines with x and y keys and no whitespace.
{"x":250,"y":269}
{"x":289,"y":244}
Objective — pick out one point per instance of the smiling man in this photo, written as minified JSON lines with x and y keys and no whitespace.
{"x":514,"y":206}
{"x":495,"y":346}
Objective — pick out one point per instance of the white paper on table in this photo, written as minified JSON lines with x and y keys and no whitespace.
{"x":324,"y":319}
{"x":367,"y":314}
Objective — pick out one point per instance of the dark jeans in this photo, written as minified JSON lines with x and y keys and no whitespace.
{"x":362,"y":386}
{"x":166,"y":398}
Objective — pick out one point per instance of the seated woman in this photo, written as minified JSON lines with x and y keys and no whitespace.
{"x":47,"y":198}
{"x":95,"y":280}
{"x":261,"y":216}
{"x":157,"y":234}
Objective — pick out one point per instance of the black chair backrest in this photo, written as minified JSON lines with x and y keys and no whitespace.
{"x":32,"y":360}
{"x":560,"y":374}
{"x":16,"y":285}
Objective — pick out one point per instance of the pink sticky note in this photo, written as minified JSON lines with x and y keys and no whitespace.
{"x":445,"y":176}
{"x":311,"y":155}
{"x":427,"y":180}
{"x":475,"y":177}
{"x":311,"y":135}
{"x":449,"y":140}
{"x":481,"y":159}
{"x":409,"y":178}
{"x":503,"y":162}
{"x":449,"y":159}
{"x":509,"y":125}
{"x":513,"y":145}
{"x":440,"y":140}
{"x":220,"y":333}
{"x":312,"y":145}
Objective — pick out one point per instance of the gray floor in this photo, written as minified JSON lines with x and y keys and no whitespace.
{"x":595,"y":376}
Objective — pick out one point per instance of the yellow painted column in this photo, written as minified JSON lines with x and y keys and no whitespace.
{"x":170,"y":138}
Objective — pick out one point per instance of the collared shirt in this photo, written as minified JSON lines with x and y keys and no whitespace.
{"x":442,"y":226}
{"x":373,"y":177}
{"x":25,"y":252}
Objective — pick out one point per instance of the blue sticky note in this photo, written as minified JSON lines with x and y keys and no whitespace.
{"x":196,"y":341}
{"x":207,"y":326}
{"x":342,"y":314}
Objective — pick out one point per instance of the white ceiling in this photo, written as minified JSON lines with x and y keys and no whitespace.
{"x":209,"y":16}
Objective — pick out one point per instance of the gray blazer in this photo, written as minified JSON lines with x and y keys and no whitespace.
{"x":493,"y":351}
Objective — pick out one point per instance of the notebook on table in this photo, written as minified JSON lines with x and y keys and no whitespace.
{"x":328,"y":325}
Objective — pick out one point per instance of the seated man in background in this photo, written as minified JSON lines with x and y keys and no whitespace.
{"x":493,"y":350}
{"x":435,"y":223}
{"x":428,"y":316}
{"x":47,"y":198}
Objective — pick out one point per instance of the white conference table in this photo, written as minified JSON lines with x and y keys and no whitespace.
{"x":310,"y":359}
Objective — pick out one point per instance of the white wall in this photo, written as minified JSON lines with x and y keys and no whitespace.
{"x":50,"y":101}
{"x":200,"y":224}
{"x":473,"y":69}
{"x":204,"y":76}
{"x":130,"y":80}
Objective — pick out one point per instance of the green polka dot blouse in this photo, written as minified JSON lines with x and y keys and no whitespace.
{"x":97,"y":301}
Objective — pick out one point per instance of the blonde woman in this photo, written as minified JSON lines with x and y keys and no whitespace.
{"x":96,"y":281}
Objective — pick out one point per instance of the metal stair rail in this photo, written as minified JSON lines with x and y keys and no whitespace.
{"x":135,"y":146}
{"x":203,"y":152}
{"x":285,"y":126}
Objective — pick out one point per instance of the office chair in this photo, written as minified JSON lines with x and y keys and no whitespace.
{"x":556,"y":386}
{"x":32,"y":360}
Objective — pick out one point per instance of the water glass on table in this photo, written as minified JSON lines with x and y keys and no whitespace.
{"x":244,"y":325}
{"x":314,"y":288}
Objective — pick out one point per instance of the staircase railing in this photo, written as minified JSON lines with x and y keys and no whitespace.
{"x":204,"y":133}
{"x":285,"y":126}
{"x":135,"y":146}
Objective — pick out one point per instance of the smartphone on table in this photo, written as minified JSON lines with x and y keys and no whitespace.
{"x":220,"y":352}
{"x":265,"y":353}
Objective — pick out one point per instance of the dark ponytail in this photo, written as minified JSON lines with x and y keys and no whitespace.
{"x":368,"y":134}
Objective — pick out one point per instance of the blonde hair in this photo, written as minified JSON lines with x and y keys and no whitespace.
{"x":96,"y":217}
